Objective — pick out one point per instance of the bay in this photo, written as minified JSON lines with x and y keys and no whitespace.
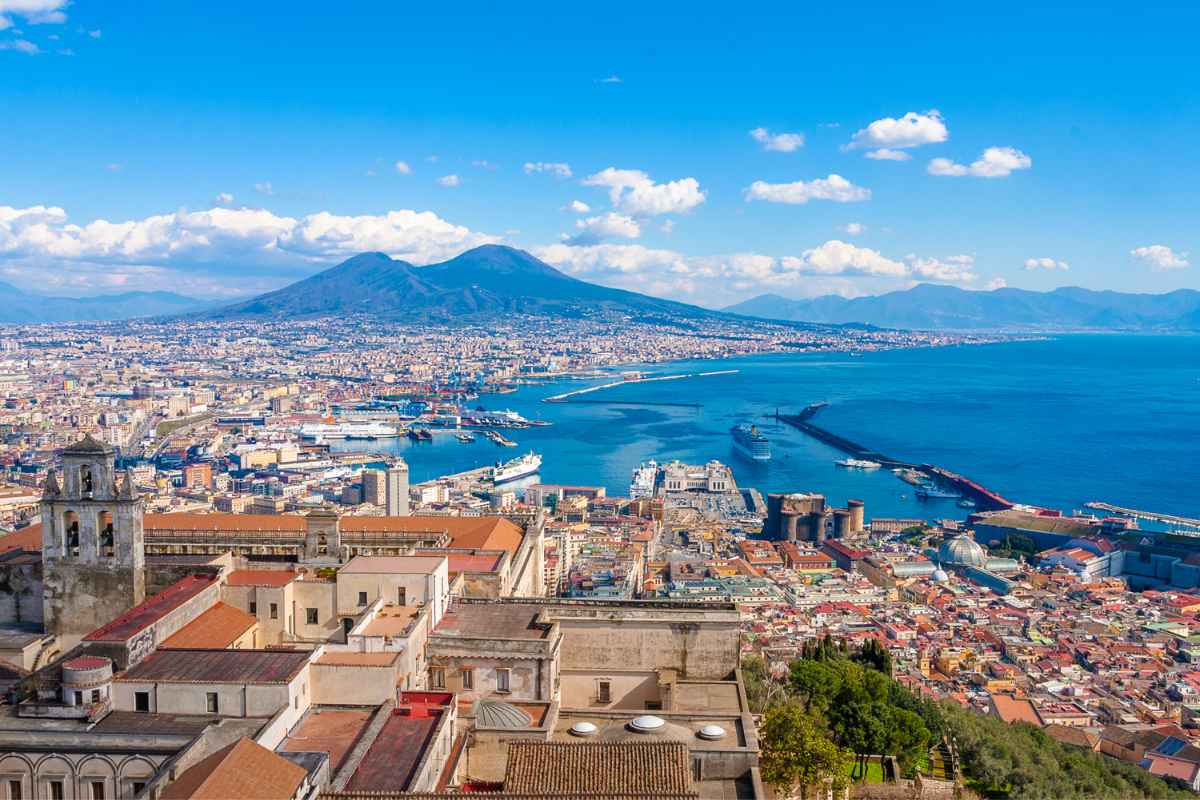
{"x":1052,"y":423}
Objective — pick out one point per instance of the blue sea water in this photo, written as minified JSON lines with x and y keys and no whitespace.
{"x":1053,"y":423}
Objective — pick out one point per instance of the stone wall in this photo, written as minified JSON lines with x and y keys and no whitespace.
{"x":20,"y":590}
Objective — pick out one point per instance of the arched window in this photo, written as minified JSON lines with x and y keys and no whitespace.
{"x":85,"y":479}
{"x":104,"y":533}
{"x":70,"y":530}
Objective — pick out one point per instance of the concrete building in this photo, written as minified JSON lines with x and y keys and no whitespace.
{"x":396,"y":492}
{"x":374,"y":483}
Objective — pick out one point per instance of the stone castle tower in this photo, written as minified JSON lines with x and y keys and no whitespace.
{"x":93,"y":556}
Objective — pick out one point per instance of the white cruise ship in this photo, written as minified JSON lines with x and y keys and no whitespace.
{"x":642,"y":484}
{"x":747,"y":441}
{"x":347,"y":430}
{"x":517,"y":468}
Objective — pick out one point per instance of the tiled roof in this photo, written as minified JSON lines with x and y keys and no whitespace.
{"x":215,"y":629}
{"x":290,"y":524}
{"x":151,"y":611}
{"x":244,"y":769}
{"x":491,"y":620}
{"x":371,"y":795}
{"x":598,"y":767}
{"x":219,"y":666}
{"x":260,"y":578}
{"x":30,"y":539}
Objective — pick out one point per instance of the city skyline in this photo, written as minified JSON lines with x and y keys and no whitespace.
{"x":165,"y":149}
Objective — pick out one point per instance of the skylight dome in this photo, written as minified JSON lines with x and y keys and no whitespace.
{"x":648,"y":723}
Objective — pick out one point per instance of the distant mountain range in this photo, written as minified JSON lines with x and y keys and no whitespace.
{"x":933,"y":307}
{"x":480,"y":283}
{"x":26,"y":309}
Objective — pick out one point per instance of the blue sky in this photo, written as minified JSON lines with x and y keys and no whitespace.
{"x":134,"y":137}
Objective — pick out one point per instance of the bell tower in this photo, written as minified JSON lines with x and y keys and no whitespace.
{"x":93,"y":555}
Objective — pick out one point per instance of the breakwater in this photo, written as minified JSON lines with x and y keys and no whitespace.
{"x":566,"y":398}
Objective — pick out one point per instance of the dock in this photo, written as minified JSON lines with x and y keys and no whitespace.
{"x":984,"y":498}
{"x":1170,"y":519}
{"x":563,"y":398}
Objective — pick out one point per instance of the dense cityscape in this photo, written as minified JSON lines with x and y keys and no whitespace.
{"x":200,"y":584}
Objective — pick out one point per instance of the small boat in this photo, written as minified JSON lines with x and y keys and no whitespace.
{"x":967,"y":502}
{"x":858,"y":462}
{"x":936,"y":493}
{"x":465,"y":438}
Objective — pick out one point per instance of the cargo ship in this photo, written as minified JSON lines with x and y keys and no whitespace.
{"x":517,"y":468}
{"x":747,"y":442}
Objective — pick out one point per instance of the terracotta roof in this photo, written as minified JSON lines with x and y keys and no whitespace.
{"x":358,"y":659}
{"x":29,"y":539}
{"x":87,"y":662}
{"x":1073,"y":734}
{"x":219,"y":666}
{"x":332,"y":730}
{"x":1012,"y":710}
{"x":598,"y":767}
{"x":244,"y":770}
{"x":391,"y":761}
{"x":260,"y":578}
{"x":138,"y":619}
{"x":215,"y":629}
{"x":374,"y":795}
{"x":289,"y":524}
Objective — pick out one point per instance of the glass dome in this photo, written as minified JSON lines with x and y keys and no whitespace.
{"x":711,"y":732}
{"x":648,"y":723}
{"x":960,"y":551}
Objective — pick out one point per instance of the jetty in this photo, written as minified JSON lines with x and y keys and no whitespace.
{"x":1170,"y":519}
{"x":565,"y":398}
{"x":985,"y":499}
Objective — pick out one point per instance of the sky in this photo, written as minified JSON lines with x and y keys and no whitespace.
{"x":706,"y":153}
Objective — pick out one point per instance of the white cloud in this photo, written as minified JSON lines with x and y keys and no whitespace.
{"x":782,"y":142}
{"x":911,"y":130}
{"x":1044,"y":263}
{"x":67,"y":52}
{"x":448,"y":180}
{"x":232,"y":240}
{"x":576,"y":207}
{"x":559,"y":170}
{"x":403,"y":168}
{"x":513,"y":232}
{"x":613,"y":79}
{"x":1159,"y":257}
{"x":94,"y":34}
{"x":371,"y":173}
{"x":222,"y":200}
{"x":839,"y":258}
{"x":606,"y":258}
{"x":888,"y":155}
{"x":644,"y":197}
{"x":485,"y":164}
{"x":432,"y":160}
{"x":264,"y":188}
{"x":853,"y":228}
{"x":996,"y":162}
{"x":34,"y":12}
{"x":835,"y":187}
{"x":949,"y":270}
{"x":593,"y":229}
{"x":668,"y":226}
{"x":994,"y":284}
{"x":115,"y":168}
{"x":21,"y":46}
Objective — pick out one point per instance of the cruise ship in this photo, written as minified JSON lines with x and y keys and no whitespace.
{"x":861,"y":463}
{"x":347,"y":430}
{"x":747,"y":442}
{"x":517,"y":468}
{"x":644,"y":478}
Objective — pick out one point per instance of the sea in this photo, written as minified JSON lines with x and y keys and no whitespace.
{"x":1051,"y":422}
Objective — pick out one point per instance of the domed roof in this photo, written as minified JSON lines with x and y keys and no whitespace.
{"x":961,"y":551}
{"x":939,"y":576}
{"x":648,"y":722}
{"x":498,"y":714}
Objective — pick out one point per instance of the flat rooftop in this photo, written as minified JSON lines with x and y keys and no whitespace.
{"x":219,"y":666}
{"x":463,"y":562}
{"x":357,"y":659}
{"x":260,"y":578}
{"x":393,"y":757}
{"x":499,"y":621}
{"x":393,"y":565}
{"x":138,"y":619}
{"x":328,"y":730}
{"x":391,"y":621}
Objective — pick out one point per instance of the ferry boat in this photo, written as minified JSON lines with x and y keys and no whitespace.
{"x":747,"y":441}
{"x":465,"y":438}
{"x":642,"y":484}
{"x":936,"y":492}
{"x":858,"y":462}
{"x":347,"y":430}
{"x":517,"y":468}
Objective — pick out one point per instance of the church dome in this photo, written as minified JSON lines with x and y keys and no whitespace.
{"x":961,"y":551}
{"x":939,"y":576}
{"x":497,"y":714}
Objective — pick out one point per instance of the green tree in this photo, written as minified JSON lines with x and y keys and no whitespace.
{"x":907,"y":736}
{"x":794,"y":752}
{"x":816,"y":680}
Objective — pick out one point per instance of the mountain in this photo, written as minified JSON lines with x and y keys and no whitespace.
{"x":488,"y":280}
{"x":24,"y":308}
{"x":933,"y":307}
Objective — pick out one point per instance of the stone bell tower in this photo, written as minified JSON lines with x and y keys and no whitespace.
{"x":93,"y":554}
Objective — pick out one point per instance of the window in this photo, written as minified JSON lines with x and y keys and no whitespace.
{"x":14,"y":790}
{"x":137,"y":787}
{"x":501,"y":680}
{"x":468,"y":678}
{"x":362,"y":598}
{"x":401,"y":597}
{"x":254,"y":608}
{"x":95,"y":695}
{"x":56,"y":790}
{"x":310,"y":615}
{"x":274,"y":611}
{"x":141,"y":702}
{"x":653,"y":706}
{"x":97,"y":790}
{"x":605,"y":694}
{"x":438,"y":675}
{"x":79,"y":698}
{"x":212,"y":703}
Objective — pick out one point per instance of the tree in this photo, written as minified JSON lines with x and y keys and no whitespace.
{"x":795,"y":753}
{"x":816,"y":680}
{"x":907,"y":736}
{"x":762,"y":689}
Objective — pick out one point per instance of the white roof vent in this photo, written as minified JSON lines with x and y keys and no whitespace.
{"x":648,"y":723}
{"x":711,"y":732}
{"x":583,"y":729}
